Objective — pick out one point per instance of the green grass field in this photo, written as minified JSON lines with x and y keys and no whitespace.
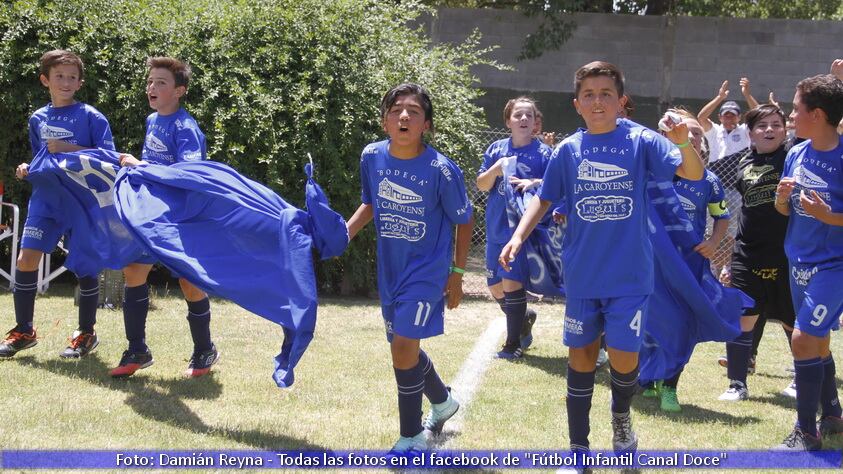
{"x":344,"y":395}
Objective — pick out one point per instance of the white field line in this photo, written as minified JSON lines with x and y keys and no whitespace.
{"x":468,"y":379}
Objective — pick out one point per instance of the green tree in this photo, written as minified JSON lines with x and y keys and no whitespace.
{"x":272,"y":82}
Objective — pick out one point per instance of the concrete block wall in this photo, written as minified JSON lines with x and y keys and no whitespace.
{"x":666,"y":58}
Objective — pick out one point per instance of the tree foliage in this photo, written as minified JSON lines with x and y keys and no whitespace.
{"x":272,"y":82}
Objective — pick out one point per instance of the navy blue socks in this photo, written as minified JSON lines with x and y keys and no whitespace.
{"x":434,"y":389}
{"x":828,"y":397}
{"x":410,"y":389}
{"x":26,"y":285}
{"x":737,"y":352}
{"x":199,"y":318}
{"x":578,"y":404}
{"x":809,"y":382}
{"x":135,"y":310}
{"x":623,"y":388}
{"x":89,"y":295}
{"x":516,"y":310}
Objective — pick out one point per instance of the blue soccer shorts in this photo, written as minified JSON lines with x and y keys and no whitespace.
{"x":817,"y":292}
{"x":414,"y":319}
{"x":622,"y":318}
{"x":41,"y":233}
{"x":495,"y":272}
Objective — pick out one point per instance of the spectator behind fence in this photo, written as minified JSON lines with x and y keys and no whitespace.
{"x":729,"y":136}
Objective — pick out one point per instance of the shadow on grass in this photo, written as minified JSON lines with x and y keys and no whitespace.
{"x":778,"y":399}
{"x":555,"y":366}
{"x":161,"y":400}
{"x":690,"y":413}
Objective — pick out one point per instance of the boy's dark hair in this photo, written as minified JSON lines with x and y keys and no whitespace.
{"x":55,"y":57}
{"x":763,"y":111}
{"x":181,"y":71}
{"x":595,"y":69}
{"x":408,"y":88}
{"x":628,"y":107}
{"x":824,"y":92}
{"x":510,"y":105}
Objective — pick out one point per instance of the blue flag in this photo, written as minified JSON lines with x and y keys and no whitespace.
{"x":543,"y":247}
{"x":689,"y":305}
{"x":233,"y":238}
{"x":80,"y":186}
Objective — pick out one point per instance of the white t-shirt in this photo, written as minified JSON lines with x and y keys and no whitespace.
{"x":722,"y":143}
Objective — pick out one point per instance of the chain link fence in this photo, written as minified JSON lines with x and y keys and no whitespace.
{"x":474,"y":282}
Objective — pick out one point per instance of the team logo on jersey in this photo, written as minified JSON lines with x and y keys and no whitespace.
{"x":396,"y":193}
{"x":399,"y":227}
{"x":600,"y":172}
{"x":192,"y":155}
{"x":802,"y":275}
{"x":753,"y":173}
{"x":155,"y":144}
{"x":808,"y":179}
{"x":573,"y":326}
{"x":33,"y":233}
{"x":49,"y":132}
{"x":604,"y":208}
{"x":687,"y":204}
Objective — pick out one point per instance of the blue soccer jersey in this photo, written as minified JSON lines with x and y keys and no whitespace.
{"x":809,"y":241}
{"x":79,"y":124}
{"x":698,"y":197}
{"x":531,"y":164}
{"x":173,"y":138}
{"x":416,"y":202}
{"x":602,"y":179}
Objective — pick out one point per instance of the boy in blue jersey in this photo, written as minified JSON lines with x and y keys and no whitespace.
{"x":811,"y":193}
{"x":172,"y":136}
{"x":601,"y":174}
{"x":415,"y":196}
{"x":64,"y":125}
{"x":698,"y":198}
{"x":531,"y":155}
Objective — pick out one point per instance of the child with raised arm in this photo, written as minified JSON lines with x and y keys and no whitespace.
{"x":415,"y":196}
{"x":601,"y":173}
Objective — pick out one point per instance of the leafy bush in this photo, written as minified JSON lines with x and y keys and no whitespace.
{"x":272,"y":81}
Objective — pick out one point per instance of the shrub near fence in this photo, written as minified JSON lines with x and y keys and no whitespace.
{"x":272,"y":82}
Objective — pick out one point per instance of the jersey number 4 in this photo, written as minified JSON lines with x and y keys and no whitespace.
{"x":635,"y":324}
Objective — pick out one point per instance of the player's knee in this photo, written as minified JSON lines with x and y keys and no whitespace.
{"x":405,"y":352}
{"x":28,"y":260}
{"x":748,"y":322}
{"x":191,"y":292}
{"x":804,"y":345}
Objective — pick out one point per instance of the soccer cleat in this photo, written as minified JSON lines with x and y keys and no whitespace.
{"x":669,"y":400}
{"x":406,"y":445}
{"x":440,"y":413}
{"x":830,"y":426}
{"x":131,"y":362}
{"x":737,"y":391}
{"x":797,"y":440}
{"x":201,"y":362}
{"x":653,"y":390}
{"x":624,"y":439}
{"x":17,"y":341}
{"x":602,"y":358}
{"x":750,"y":369}
{"x":509,"y":353}
{"x":81,"y":343}
{"x":790,"y":391}
{"x":526,"y":337}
